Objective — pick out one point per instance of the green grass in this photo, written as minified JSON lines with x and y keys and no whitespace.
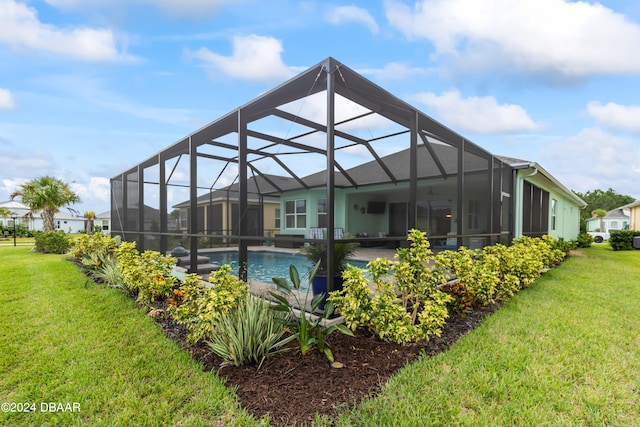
{"x":565,"y":352}
{"x":65,"y":342}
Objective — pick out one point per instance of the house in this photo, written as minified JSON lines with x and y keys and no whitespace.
{"x":615,"y":219}
{"x":103,"y":220}
{"x":634,"y":214}
{"x":65,"y":221}
{"x":218,"y":209}
{"x":21,"y":210}
{"x":342,"y":154}
{"x":377,"y":209}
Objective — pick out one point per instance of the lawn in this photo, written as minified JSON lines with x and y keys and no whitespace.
{"x":65,"y":341}
{"x":563,"y":352}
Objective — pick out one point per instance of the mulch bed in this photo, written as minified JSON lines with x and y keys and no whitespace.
{"x":292,"y":388}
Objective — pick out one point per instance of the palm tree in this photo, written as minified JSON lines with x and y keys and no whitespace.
{"x":600,"y":213}
{"x":47,"y":194}
{"x":90,"y":216}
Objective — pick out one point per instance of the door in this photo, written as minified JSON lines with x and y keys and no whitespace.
{"x":398,"y":221}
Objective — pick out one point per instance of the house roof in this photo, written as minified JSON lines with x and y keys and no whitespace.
{"x":631,"y":205}
{"x":267,"y":185}
{"x":535,"y":167}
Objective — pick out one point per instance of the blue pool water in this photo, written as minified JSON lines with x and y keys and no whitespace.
{"x":264,"y":265}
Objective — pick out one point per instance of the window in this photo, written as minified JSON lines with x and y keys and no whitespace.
{"x":183,"y":218}
{"x":295,"y":213}
{"x":473,"y":219}
{"x":105,"y":224}
{"x":277,"y":222}
{"x":322,"y":213}
{"x":554,"y":203}
{"x":613,"y":225}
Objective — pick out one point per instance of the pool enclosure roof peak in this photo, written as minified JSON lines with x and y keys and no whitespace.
{"x":365,"y":101}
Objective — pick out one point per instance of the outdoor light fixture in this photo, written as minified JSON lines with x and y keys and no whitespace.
{"x":14,"y":217}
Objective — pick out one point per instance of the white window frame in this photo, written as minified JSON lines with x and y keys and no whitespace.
{"x":183,"y":218}
{"x":554,"y":205}
{"x":278,"y":219}
{"x":321,"y":202}
{"x":296,"y":213}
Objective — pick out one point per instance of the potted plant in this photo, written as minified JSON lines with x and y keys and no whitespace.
{"x":317,"y":254}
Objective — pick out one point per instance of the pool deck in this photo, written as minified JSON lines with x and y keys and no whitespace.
{"x":361,"y":254}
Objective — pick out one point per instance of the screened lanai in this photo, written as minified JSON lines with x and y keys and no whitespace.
{"x":326,"y":131}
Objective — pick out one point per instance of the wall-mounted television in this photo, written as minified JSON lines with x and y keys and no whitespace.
{"x":374,"y":207}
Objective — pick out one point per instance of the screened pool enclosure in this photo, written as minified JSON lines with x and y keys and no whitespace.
{"x":326,"y":150}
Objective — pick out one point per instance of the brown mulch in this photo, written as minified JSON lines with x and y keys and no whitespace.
{"x":292,"y":388}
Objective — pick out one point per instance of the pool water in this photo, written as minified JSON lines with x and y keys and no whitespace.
{"x":264,"y":265}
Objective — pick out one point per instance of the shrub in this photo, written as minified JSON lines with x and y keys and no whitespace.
{"x":306,"y":328}
{"x":622,"y":240}
{"x":249,"y":333}
{"x":408,"y":304}
{"x":508,"y":279}
{"x":564,"y":245}
{"x":200,"y":306}
{"x":477,"y":275}
{"x":147,"y":274}
{"x":87,"y":245}
{"x":52,"y":242}
{"x":109,"y":272}
{"x":584,"y":240}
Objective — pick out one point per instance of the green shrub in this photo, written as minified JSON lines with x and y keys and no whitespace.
{"x":249,"y":333}
{"x":622,"y":240}
{"x":305,"y":327}
{"x":477,"y":274}
{"x":201,"y":305}
{"x":584,"y":240}
{"x":109,"y":272}
{"x":408,"y":304}
{"x":52,"y":242}
{"x":507,"y":268}
{"x":87,"y":245}
{"x":147,"y":274}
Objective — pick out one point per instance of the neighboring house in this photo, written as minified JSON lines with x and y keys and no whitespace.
{"x":359,"y":161}
{"x":634,"y":215}
{"x":615,"y":219}
{"x":65,"y":221}
{"x":103,"y":220}
{"x":218,"y":210}
{"x":21,"y":210}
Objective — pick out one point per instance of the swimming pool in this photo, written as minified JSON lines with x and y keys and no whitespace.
{"x":264,"y":265}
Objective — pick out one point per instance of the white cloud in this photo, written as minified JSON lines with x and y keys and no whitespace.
{"x":477,"y":114}
{"x":395,"y":71}
{"x":594,"y":159}
{"x":96,"y":192}
{"x":343,"y":14}
{"x":612,"y":115}
{"x":254,"y":58}
{"x":563,"y":38}
{"x":6,"y":100}
{"x":21,"y":28}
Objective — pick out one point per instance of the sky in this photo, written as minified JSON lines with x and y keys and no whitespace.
{"x":90,"y":88}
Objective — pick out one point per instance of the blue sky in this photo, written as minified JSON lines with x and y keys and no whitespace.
{"x":89,"y":88}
